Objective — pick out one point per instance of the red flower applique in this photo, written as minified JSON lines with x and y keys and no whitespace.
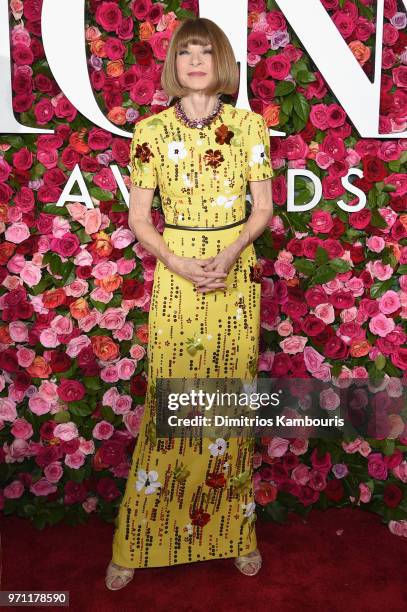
{"x":223,"y":134}
{"x":213,"y":158}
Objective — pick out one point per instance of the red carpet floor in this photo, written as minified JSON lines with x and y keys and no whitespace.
{"x":338,"y":560}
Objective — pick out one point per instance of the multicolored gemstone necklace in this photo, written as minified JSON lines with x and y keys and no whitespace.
{"x":197,"y":123}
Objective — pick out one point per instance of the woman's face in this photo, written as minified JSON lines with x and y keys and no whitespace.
{"x":195,"y":66}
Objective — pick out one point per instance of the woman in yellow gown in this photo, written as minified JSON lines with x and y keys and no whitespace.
{"x":192,"y":499}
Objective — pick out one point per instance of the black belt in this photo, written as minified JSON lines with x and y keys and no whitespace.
{"x":184,"y":227}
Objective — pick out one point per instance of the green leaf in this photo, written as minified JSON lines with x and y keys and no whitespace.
{"x":305,"y":76}
{"x":101,"y":194}
{"x":321,"y":256}
{"x":323,"y":275}
{"x":284,"y":88}
{"x":305,"y":266}
{"x":287,"y":104}
{"x":339,"y":265}
{"x":377,"y":220}
{"x":301,"y":106}
{"x":380,"y":287}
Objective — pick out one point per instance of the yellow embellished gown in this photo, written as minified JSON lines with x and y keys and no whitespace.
{"x":192,"y":499}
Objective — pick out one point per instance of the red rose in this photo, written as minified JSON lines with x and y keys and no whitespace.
{"x":99,"y":139}
{"x":140,"y":9}
{"x":70,"y":446}
{"x":132,"y":289}
{"x":143,"y":52}
{"x":278,"y":66}
{"x":334,"y":490}
{"x":22,"y":55}
{"x":112,"y":453}
{"x":23,"y":102}
{"x":23,"y":159}
{"x":71,"y":390}
{"x":75,"y":492}
{"x":109,"y":16}
{"x":138,"y":385}
{"x":392,"y":495}
{"x":32,"y":9}
{"x":106,"y":488}
{"x":335,"y":348}
{"x":48,"y":454}
{"x":374,"y":169}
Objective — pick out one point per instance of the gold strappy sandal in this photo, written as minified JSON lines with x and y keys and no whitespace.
{"x":125,"y":574}
{"x":253,"y":558}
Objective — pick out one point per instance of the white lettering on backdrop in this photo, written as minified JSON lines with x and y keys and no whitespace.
{"x":358,"y":96}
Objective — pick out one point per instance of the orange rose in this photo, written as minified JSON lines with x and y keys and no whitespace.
{"x":109,"y":283}
{"x":97,"y":47}
{"x":77,"y":142}
{"x":115,"y":68}
{"x":39,"y":368}
{"x":104,"y":348}
{"x":272,"y":114}
{"x":53,"y":298}
{"x":146,"y":30}
{"x":102,"y":244}
{"x":360,"y":348}
{"x":6,"y":251}
{"x":79,"y":308}
{"x":3,"y":212}
{"x":360,"y":51}
{"x":142,"y":333}
{"x":117,"y":115}
{"x":5,"y":337}
{"x":252,"y":19}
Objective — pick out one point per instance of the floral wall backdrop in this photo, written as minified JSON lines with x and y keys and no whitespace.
{"x":75,"y":284}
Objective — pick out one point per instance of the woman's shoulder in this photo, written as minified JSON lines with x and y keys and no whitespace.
{"x":243,"y":115}
{"x":155,"y":120}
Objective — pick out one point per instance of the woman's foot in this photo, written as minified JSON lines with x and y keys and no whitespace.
{"x":117,"y":576}
{"x":249,"y":564}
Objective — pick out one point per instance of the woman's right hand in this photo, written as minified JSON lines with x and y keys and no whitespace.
{"x":192,"y":269}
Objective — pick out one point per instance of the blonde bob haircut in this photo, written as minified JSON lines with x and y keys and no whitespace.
{"x":201,"y":31}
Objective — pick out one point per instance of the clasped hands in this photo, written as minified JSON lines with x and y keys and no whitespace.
{"x":206,"y":274}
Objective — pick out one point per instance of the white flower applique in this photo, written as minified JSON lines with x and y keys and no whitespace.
{"x":226,"y":201}
{"x":147,"y":480}
{"x":218,"y":447}
{"x":258,"y":154}
{"x":176,"y":150}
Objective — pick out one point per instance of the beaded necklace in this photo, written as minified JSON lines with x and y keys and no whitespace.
{"x":197,"y":123}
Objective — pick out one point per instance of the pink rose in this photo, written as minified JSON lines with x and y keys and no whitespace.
{"x":277,"y":447}
{"x":75,"y":460}
{"x":42,"y":487}
{"x":159,"y":43}
{"x":22,"y":429}
{"x":133,"y":419}
{"x":110,"y":374}
{"x":293,"y":344}
{"x":300,"y":474}
{"x":389,"y":302}
{"x":365,"y":493}
{"x":53,"y":471}
{"x":8,"y":411}
{"x":66,"y":431}
{"x":14,"y":490}
{"x":377,"y":467}
{"x":380,"y":325}
{"x":103,"y":430}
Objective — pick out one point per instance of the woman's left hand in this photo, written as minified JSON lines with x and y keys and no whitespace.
{"x":223,"y":262}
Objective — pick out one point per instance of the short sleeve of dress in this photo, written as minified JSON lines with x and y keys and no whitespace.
{"x":143,"y":160}
{"x":258,"y":149}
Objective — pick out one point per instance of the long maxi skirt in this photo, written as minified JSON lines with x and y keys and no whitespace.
{"x":191,"y":499}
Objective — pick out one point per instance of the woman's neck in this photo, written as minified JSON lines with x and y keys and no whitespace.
{"x":197,"y":106}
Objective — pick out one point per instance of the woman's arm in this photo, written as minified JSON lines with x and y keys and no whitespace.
{"x":261,"y":214}
{"x":141,"y":224}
